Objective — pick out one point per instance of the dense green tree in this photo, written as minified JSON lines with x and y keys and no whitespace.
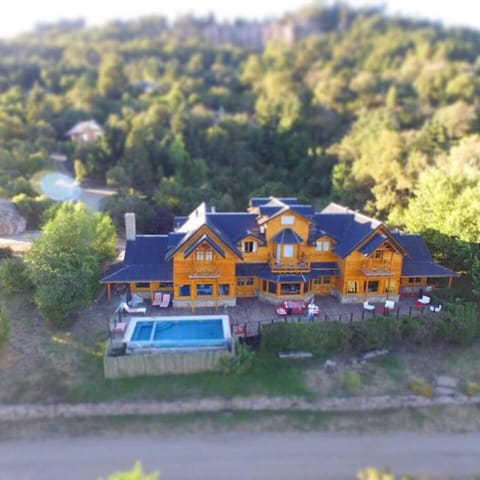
{"x":65,"y":262}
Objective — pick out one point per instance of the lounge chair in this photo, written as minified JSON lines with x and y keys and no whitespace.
{"x":135,"y":300}
{"x":389,"y":305}
{"x":423,"y":301}
{"x":126,"y":308}
{"x":367,"y":306}
{"x":157,"y":299}
{"x":165,"y":300}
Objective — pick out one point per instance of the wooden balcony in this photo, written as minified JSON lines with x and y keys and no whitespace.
{"x":290,"y":265}
{"x":204,"y":270}
{"x":379,"y":268}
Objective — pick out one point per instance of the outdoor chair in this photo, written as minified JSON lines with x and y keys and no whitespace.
{"x":389,"y":305}
{"x":135,"y":300}
{"x":165,"y":300}
{"x":157,"y":299}
{"x":423,"y":301}
{"x":126,"y":308}
{"x":367,"y":306}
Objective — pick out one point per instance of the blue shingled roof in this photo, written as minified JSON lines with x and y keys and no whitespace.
{"x":249,"y":269}
{"x":199,"y":241}
{"x":144,"y":261}
{"x":419,"y":262}
{"x":287,"y":236}
{"x":325,"y":268}
{"x":373,"y":244}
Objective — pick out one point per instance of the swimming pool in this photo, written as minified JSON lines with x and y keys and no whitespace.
{"x":194,"y":332}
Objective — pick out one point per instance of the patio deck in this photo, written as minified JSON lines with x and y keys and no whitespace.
{"x":251,"y":313}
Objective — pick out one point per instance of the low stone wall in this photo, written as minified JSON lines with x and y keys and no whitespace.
{"x":151,"y":364}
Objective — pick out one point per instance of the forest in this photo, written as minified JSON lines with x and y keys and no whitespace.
{"x":380,"y":114}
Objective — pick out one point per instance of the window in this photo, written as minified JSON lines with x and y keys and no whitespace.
{"x":288,"y":251}
{"x":245,"y":281}
{"x":142,"y":285}
{"x":352,"y":286}
{"x":224,"y":289}
{"x":414,"y":280}
{"x":288,"y":220}
{"x":322,"y":281}
{"x":378,"y":254}
{"x":372,"y":286}
{"x":185,"y":291}
{"x":290,"y":288}
{"x":272,"y":287}
{"x":204,"y":289}
{"x":323,"y":246}
{"x":249,"y":246}
{"x":204,"y":255}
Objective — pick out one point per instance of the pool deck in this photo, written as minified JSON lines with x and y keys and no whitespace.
{"x":251,"y":313}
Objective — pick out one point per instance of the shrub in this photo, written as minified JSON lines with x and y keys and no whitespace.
{"x":4,"y":326}
{"x":32,"y":208}
{"x":472,"y":389}
{"x":5,"y":252}
{"x":14,"y":276}
{"x":352,"y":381}
{"x":420,"y":387}
{"x":320,"y":338}
{"x":242,"y":362}
{"x":459,"y":325}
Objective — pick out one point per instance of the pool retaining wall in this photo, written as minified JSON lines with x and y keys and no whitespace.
{"x":151,"y":364}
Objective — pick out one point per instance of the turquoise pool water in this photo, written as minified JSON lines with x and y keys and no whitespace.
{"x":178,"y":332}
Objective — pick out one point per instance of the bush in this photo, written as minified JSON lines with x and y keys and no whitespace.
{"x":32,"y":208}
{"x":4,"y":326}
{"x":14,"y":276}
{"x":472,"y":389}
{"x":242,"y":362}
{"x":320,"y":338}
{"x":458,"y":325}
{"x":351,"y":381}
{"x":5,"y":252}
{"x":420,"y":387}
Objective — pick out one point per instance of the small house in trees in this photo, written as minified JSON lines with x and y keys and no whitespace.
{"x":277,"y":250}
{"x":88,"y":131}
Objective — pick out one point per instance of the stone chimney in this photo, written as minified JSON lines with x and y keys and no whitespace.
{"x":130,"y":226}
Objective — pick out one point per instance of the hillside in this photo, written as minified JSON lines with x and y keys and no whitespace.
{"x":378,"y":113}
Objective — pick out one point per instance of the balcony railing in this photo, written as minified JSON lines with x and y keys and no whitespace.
{"x":204,"y":270}
{"x":377,"y":268}
{"x":292,"y":265}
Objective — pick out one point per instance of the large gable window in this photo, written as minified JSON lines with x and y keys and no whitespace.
{"x":249,"y":246}
{"x":204,"y":255}
{"x":288,"y":220}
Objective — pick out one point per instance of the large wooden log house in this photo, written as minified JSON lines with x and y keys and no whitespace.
{"x":277,"y":250}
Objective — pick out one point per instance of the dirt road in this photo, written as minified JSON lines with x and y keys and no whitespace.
{"x":243,"y":456}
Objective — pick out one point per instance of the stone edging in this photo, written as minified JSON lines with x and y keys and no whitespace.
{"x":219,"y":404}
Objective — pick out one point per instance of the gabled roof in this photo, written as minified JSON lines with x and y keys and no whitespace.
{"x":229,"y":228}
{"x":79,"y":128}
{"x":287,"y":236}
{"x":373,"y":244}
{"x":207,"y":239}
{"x":257,"y":201}
{"x":350,"y":229}
{"x":144,"y":261}
{"x":419,"y":262}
